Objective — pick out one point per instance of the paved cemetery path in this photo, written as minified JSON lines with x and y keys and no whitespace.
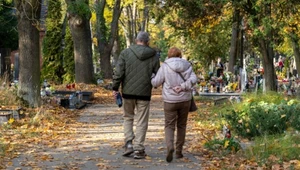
{"x":98,"y":142}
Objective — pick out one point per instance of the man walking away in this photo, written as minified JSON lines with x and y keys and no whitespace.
{"x":134,"y":69}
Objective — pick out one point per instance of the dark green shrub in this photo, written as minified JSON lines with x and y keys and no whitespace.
{"x":52,"y":69}
{"x":256,"y":117}
{"x":227,"y":145}
{"x":294,"y":108}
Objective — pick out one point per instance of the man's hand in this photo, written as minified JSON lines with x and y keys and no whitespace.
{"x":177,"y":89}
{"x":115,"y":93}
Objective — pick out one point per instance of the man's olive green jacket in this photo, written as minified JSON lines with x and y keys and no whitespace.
{"x":134,"y":69}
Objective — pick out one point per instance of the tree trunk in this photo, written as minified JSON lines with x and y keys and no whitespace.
{"x":296,"y":49}
{"x":145,"y":16}
{"x":116,"y":50}
{"x":134,"y":20}
{"x":234,"y":40}
{"x":127,"y":25}
{"x":105,"y":43}
{"x":267,"y":59}
{"x":241,"y":48}
{"x":28,"y":13}
{"x":126,"y":32}
{"x":81,"y":35}
{"x":268,"y":56}
{"x":266,"y":50}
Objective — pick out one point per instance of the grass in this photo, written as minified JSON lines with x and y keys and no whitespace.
{"x":202,"y":99}
{"x":275,"y":149}
{"x":8,"y":97}
{"x":3,"y":147}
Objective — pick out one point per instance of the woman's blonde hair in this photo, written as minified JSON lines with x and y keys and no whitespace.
{"x":174,"y":52}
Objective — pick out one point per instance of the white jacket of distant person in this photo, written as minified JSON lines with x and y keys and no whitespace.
{"x":175,"y":89}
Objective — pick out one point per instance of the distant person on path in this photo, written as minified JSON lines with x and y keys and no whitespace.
{"x":220,"y":67}
{"x":134,"y":69}
{"x":177,"y":77}
{"x":280,"y":64}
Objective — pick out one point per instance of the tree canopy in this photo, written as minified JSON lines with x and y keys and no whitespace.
{"x":203,"y":29}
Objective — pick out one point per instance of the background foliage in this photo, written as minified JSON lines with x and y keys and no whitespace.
{"x":8,"y":25}
{"x":69,"y":63}
{"x":52,"y":68}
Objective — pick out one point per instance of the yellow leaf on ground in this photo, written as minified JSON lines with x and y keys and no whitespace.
{"x":226,"y":143}
{"x":296,"y":163}
{"x":11,"y":120}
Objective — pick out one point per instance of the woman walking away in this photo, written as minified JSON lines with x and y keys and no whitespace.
{"x":177,"y":77}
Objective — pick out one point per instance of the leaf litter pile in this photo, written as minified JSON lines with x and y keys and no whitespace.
{"x":46,"y":125}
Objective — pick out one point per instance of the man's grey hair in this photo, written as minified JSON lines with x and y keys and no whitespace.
{"x":143,"y":37}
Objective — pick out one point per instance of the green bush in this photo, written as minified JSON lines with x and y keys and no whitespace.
{"x":3,"y":148}
{"x":223,"y":145}
{"x":260,"y":116}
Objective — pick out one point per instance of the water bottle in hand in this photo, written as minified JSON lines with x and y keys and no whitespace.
{"x":119,"y":100}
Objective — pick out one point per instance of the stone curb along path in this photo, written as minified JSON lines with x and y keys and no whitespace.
{"x":98,"y":144}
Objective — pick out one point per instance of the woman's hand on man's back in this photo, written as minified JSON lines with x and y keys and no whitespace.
{"x":177,"y":89}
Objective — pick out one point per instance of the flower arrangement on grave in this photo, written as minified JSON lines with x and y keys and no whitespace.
{"x":203,"y":83}
{"x":231,"y":87}
{"x":228,"y":76}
